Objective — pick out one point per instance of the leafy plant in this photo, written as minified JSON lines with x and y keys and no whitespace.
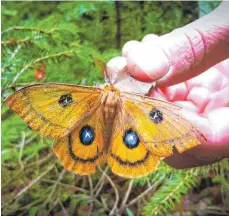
{"x":70,"y":42}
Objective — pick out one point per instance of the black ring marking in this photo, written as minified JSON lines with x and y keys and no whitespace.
{"x":87,"y":135}
{"x":79,"y":159}
{"x":128,"y":163}
{"x":156,"y":116}
{"x":131,"y":139}
{"x":65,"y":100}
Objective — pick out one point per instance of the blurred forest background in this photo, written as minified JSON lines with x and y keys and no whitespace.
{"x":69,"y":42}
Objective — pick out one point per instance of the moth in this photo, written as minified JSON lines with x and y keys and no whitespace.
{"x":91,"y":125}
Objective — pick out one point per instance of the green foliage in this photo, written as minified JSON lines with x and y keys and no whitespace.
{"x":170,"y":193}
{"x":74,"y":40}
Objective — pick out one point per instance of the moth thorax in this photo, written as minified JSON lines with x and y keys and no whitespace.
{"x":110,"y":106}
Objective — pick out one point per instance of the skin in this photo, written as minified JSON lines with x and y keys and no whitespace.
{"x":191,"y":67}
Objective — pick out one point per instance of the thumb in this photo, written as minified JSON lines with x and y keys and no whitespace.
{"x":183,"y":53}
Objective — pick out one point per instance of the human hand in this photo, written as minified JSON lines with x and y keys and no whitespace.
{"x":177,"y":57}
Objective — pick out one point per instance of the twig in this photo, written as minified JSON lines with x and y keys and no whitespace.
{"x":33,"y":182}
{"x":112,"y":212}
{"x":21,"y":41}
{"x":100,"y":183}
{"x":101,"y":179}
{"x":29,"y":186}
{"x":24,"y":28}
{"x":104,"y":204}
{"x":54,"y":205}
{"x":127,"y":195}
{"x":65,"y":53}
{"x":138,"y":207}
{"x":91,"y":196}
{"x":100,"y":188}
{"x":11,"y":57}
{"x":31,"y":165}
{"x":141,"y":195}
{"x":63,"y":209}
{"x":54,"y":187}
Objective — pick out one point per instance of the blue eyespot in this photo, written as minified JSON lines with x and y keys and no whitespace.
{"x":87,"y":135}
{"x":131,"y":139}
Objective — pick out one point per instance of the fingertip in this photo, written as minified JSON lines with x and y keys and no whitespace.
{"x":129,"y":46}
{"x":176,"y":92}
{"x":150,"y":37}
{"x":147,"y":64}
{"x":115,"y":65}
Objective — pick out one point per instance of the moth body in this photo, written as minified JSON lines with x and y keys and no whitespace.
{"x":111,"y":103}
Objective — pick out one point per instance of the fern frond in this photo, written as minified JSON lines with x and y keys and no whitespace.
{"x":170,"y":193}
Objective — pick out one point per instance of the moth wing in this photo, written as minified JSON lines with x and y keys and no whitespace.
{"x":83,"y":149}
{"x":129,"y":161}
{"x":160,"y":125}
{"x":54,"y":109}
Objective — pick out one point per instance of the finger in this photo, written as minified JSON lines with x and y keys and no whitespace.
{"x":129,"y":46}
{"x":133,"y":44}
{"x":143,"y":53}
{"x":185,"y":52}
{"x":177,"y":92}
{"x":150,"y":38}
{"x":129,"y":84}
{"x":147,"y":62}
{"x":215,"y":127}
{"x":114,"y":66}
{"x":197,"y":156}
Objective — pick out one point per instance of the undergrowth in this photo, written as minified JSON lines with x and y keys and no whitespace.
{"x":73,"y":40}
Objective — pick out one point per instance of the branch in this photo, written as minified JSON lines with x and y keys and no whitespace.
{"x":23,"y":28}
{"x":20,"y":41}
{"x":54,"y":187}
{"x":33,"y":182}
{"x":62,"y":207}
{"x":100,"y":183}
{"x":40,"y":60}
{"x":127,"y":195}
{"x":112,"y":212}
{"x":11,"y":57}
{"x":29,"y":185}
{"x":91,"y":195}
{"x":141,"y":195}
{"x":31,"y":165}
